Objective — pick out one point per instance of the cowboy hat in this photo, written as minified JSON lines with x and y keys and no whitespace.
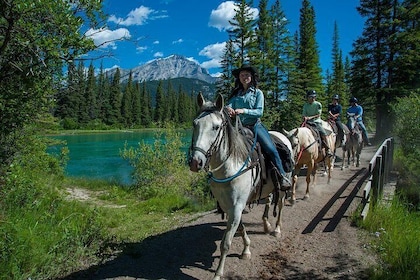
{"x":245,"y":67}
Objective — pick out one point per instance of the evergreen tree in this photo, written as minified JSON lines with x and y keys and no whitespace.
{"x":160,"y":104}
{"x":224,"y":84}
{"x":103,"y":95}
{"x":372,"y":60}
{"x":407,"y":64}
{"x":91,"y":94}
{"x":308,"y":51}
{"x":114,"y":113}
{"x":127,"y":103}
{"x":137,"y":105}
{"x":146,"y":107}
{"x":80,"y":92}
{"x":242,"y":32}
{"x":337,"y":83}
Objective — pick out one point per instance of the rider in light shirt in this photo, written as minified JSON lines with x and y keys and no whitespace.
{"x":247,"y":102}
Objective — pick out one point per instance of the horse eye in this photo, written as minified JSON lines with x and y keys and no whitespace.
{"x":216,"y":127}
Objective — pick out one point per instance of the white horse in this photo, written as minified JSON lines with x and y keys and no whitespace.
{"x":235,"y":179}
{"x":353,"y":145}
{"x":307,"y":151}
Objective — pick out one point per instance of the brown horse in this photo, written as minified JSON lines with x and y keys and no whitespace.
{"x":308,"y":151}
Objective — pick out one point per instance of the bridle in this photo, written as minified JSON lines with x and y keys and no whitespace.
{"x":299,"y":149}
{"x":217,"y":141}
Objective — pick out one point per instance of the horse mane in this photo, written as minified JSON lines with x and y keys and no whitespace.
{"x":235,"y":142}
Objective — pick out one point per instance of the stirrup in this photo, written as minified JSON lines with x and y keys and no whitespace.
{"x":285,"y":184}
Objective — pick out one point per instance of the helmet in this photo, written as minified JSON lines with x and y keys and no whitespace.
{"x":336,"y":96}
{"x":353,"y":100}
{"x":311,"y":93}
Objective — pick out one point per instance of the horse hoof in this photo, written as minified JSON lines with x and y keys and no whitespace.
{"x":276,"y":234}
{"x":246,"y":256}
{"x":306,"y":197}
{"x":217,"y":277}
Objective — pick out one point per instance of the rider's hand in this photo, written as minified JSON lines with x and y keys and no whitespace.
{"x":239,"y":111}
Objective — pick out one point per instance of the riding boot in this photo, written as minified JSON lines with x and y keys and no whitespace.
{"x":280,"y":180}
{"x":327,"y":148}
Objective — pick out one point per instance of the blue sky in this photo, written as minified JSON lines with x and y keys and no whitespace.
{"x":196,"y":29}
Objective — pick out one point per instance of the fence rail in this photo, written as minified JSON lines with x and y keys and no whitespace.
{"x":379,"y":169}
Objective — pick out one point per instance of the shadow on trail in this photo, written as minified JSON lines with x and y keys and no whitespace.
{"x":162,"y":256}
{"x":340,"y":213}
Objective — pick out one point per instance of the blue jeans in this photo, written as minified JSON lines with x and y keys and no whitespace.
{"x":365,"y":135}
{"x":263,"y":137}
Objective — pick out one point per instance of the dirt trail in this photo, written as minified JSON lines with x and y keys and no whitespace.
{"x":317,"y":242}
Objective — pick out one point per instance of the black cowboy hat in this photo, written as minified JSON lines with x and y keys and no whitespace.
{"x":245,"y":67}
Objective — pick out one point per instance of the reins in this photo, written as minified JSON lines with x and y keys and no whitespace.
{"x":241,"y":170}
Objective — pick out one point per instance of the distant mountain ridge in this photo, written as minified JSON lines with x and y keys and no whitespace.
{"x":171,"y":67}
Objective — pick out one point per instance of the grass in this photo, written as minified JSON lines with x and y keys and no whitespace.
{"x":398,"y":240}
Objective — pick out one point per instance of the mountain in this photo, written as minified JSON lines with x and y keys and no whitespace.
{"x":171,"y":67}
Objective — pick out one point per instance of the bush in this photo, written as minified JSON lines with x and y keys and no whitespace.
{"x":407,"y":156}
{"x":161,"y":169}
{"x":38,"y":229}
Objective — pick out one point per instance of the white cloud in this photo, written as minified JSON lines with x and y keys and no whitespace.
{"x":141,"y":49}
{"x":179,"y":41}
{"x":158,"y":54}
{"x":220,"y":17}
{"x":215,"y":53}
{"x":156,"y":42}
{"x":107,"y":38}
{"x":138,"y":16}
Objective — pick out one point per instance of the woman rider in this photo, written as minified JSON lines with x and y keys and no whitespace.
{"x":247,"y":102}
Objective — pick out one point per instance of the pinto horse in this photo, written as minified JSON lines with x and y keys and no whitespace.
{"x":235,"y":179}
{"x":309,"y":151}
{"x":354,"y":144}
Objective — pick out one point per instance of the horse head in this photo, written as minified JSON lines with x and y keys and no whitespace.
{"x":207,"y":131}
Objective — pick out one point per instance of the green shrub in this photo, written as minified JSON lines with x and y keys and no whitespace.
{"x":161,"y":169}
{"x":38,"y":229}
{"x":397,"y":241}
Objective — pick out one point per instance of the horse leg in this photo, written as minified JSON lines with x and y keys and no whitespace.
{"x":329,"y":165}
{"x":234,"y":219}
{"x":246,"y":253}
{"x":308,"y":179}
{"x":343,"y":159}
{"x":267,"y":225}
{"x":277,"y":231}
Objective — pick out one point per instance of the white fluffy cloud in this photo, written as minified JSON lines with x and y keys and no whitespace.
{"x":214,"y":52}
{"x":106,"y":38}
{"x":220,"y":17}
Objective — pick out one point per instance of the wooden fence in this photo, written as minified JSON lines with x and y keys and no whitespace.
{"x":379,"y":169}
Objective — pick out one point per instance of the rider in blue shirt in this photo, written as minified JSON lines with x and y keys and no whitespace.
{"x":247,"y":102}
{"x":334,"y":113}
{"x":356,"y":111}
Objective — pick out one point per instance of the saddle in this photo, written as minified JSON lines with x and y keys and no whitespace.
{"x":315,"y":132}
{"x":263,"y":158}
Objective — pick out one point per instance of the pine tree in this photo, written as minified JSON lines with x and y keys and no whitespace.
{"x":146,"y":107}
{"x":137,"y":101}
{"x":114,"y":113}
{"x":127,"y":103}
{"x":90,"y":94}
{"x":337,"y":83}
{"x":82,"y":111}
{"x":160,"y":104}
{"x":224,"y":84}
{"x":242,"y":32}
{"x":308,"y":51}
{"x":372,"y":57}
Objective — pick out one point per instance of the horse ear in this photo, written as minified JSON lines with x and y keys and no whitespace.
{"x":296,"y":132}
{"x":285,"y":131}
{"x":219,"y":102}
{"x":200,"y":99}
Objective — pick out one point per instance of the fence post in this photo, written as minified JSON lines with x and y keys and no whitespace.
{"x":376,"y":178}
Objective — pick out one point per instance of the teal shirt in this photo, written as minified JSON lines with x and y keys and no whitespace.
{"x":315,"y":108}
{"x":252,"y":101}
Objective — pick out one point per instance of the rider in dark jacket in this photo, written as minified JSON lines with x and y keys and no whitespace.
{"x":334,"y":113}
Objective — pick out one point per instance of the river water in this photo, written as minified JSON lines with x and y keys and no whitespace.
{"x":97,"y":155}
